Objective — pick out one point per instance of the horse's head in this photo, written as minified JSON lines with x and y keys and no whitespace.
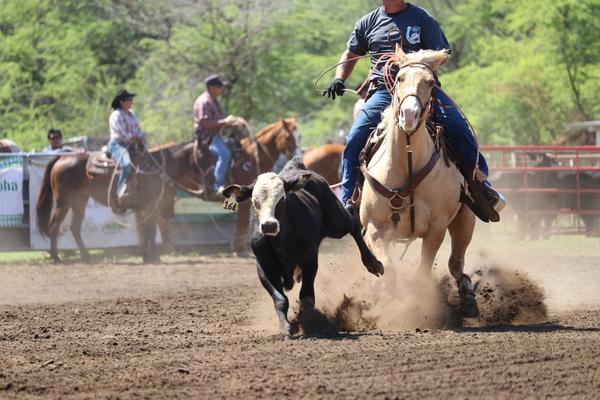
{"x":413,"y":84}
{"x":287,"y":137}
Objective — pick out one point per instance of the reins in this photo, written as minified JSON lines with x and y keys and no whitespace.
{"x":396,"y":197}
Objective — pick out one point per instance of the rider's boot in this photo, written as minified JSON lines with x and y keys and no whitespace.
{"x":487,"y":201}
{"x":495,"y":199}
{"x":124,"y":197}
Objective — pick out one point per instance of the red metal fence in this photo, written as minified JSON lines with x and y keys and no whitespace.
{"x":543,"y":182}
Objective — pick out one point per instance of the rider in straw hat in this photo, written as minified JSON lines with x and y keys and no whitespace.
{"x":124,"y":130}
{"x":398,"y":22}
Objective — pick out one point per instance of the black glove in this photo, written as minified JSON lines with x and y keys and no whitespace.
{"x":337,"y":87}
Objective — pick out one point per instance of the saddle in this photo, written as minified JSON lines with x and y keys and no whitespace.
{"x":99,"y":163}
{"x":471,"y":193}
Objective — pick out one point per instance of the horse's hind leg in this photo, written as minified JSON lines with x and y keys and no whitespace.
{"x":461,"y":232}
{"x":58,"y":215}
{"x":78,"y":215}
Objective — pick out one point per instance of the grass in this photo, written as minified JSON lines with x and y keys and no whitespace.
{"x":127,"y":254}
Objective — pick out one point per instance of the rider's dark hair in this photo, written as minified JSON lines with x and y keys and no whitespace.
{"x":54,"y":132}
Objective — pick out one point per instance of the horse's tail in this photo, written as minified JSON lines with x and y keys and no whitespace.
{"x":45,"y":201}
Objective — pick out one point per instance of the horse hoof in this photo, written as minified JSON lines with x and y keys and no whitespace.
{"x":469,"y":307}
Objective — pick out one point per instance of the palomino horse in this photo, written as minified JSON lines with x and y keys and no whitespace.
{"x":409,"y":192}
{"x":192,"y":173}
{"x":325,"y":160}
{"x":67,"y":185}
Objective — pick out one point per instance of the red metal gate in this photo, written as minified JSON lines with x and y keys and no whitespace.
{"x":571,"y":185}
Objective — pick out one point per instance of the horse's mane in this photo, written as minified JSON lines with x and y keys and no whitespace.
{"x":387,"y":119}
{"x":268,"y":130}
{"x":429,"y":57}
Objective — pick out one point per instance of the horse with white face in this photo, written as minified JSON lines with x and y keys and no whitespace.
{"x":296,"y":210}
{"x":409,"y":192}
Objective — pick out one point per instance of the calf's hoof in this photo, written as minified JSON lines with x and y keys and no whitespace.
{"x":375,"y":267}
{"x":286,"y":331}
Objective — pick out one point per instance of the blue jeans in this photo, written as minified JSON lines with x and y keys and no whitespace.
{"x":445,"y":113}
{"x":119,"y":153}
{"x":221,"y":151}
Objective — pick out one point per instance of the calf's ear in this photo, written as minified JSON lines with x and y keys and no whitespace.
{"x":241,"y":193}
{"x":297,"y":182}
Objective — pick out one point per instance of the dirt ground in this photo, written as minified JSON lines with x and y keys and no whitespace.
{"x":203,"y":327}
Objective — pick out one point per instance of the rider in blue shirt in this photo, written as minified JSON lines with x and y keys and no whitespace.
{"x":415,"y":29}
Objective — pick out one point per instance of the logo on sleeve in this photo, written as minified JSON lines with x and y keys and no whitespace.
{"x":413,"y":34}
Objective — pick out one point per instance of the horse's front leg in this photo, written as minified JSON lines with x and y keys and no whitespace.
{"x":461,"y":232}
{"x":165,"y":215}
{"x":147,"y":239}
{"x":431,"y":244}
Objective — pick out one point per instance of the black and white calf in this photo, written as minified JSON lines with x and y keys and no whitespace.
{"x":296,"y":210}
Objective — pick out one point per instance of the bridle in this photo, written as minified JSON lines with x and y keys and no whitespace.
{"x":264,"y":149}
{"x":425,"y":108}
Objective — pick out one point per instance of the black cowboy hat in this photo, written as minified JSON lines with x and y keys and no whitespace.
{"x":122,"y":94}
{"x":214,"y":80}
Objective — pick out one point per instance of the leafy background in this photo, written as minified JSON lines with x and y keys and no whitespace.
{"x":520,"y":70}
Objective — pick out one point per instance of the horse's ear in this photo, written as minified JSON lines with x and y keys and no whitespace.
{"x":400,"y":53}
{"x":297,"y":182}
{"x":241,"y":193}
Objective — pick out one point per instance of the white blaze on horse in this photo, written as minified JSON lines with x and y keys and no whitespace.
{"x":409,"y":191}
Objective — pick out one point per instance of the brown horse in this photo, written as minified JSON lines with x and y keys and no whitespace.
{"x":68,"y":186}
{"x":409,"y":192}
{"x":192,"y":172}
{"x":325,"y":160}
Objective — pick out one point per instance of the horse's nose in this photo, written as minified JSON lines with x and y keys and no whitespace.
{"x":410,"y":113}
{"x":270,"y":228}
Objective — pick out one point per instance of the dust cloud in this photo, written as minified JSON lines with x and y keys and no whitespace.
{"x":349,"y":299}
